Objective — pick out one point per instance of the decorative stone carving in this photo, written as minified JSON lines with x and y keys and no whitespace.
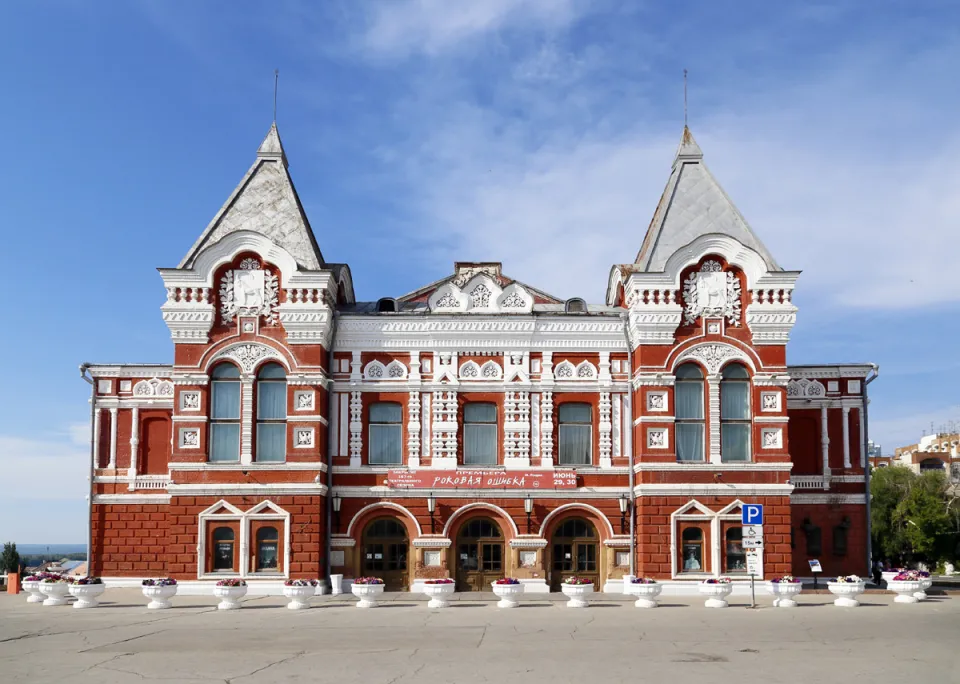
{"x":249,"y":291}
{"x":448,"y":301}
{"x":771,"y":438}
{"x":480,"y":297}
{"x":657,"y":401}
{"x":769,"y":401}
{"x":583,"y":371}
{"x":657,"y":438}
{"x":586,"y":371}
{"x":491,"y":371}
{"x":413,"y":428}
{"x":303,"y":400}
{"x":713,"y":356}
{"x":248,"y":355}
{"x":153,"y":388}
{"x":804,"y":388}
{"x":514,"y":301}
{"x":189,"y":401}
{"x":470,"y":370}
{"x":303,"y":438}
{"x":605,"y":429}
{"x":189,"y":438}
{"x":356,"y":428}
{"x":546,"y":429}
{"x":712,"y":292}
{"x":392,"y":371}
{"x":564,"y":371}
{"x":444,"y":425}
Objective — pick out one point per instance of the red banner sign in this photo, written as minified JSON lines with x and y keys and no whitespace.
{"x":482,"y":479}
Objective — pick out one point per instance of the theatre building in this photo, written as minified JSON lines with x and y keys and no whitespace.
{"x":477,"y":427}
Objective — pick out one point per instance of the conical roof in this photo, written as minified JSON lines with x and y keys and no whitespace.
{"x":692,"y":205}
{"x":265,"y":202}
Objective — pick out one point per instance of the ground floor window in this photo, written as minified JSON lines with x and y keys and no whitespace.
{"x":224,"y":550}
{"x":735,"y":557}
{"x":692,"y":551}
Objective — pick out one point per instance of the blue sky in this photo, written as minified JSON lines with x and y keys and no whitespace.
{"x":535,"y":132}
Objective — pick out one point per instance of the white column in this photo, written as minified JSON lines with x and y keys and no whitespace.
{"x":617,"y":431}
{"x":246,"y":420}
{"x":546,"y":429}
{"x":425,"y":424}
{"x":824,"y":442}
{"x":356,"y":424}
{"x":605,"y":428}
{"x":534,"y":426}
{"x":113,"y":439}
{"x":713,"y":387}
{"x":333,"y":435}
{"x":96,"y":438}
{"x":860,"y":442}
{"x":628,"y":426}
{"x":413,"y":430}
{"x":134,"y":444}
{"x":846,"y":436}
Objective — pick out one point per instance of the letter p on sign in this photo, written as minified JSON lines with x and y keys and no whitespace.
{"x":752,"y":514}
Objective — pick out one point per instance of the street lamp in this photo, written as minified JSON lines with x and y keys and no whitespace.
{"x":337,"y":500}
{"x":528,"y":507}
{"x":431,"y":507}
{"x":624,"y":505}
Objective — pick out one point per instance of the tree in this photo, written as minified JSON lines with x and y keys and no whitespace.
{"x":888,"y":487}
{"x":10,"y":559}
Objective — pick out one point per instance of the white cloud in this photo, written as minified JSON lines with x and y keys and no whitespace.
{"x":42,"y":469}
{"x":904,"y":430}
{"x":432,"y":26}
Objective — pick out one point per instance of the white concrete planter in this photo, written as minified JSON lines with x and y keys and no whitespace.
{"x":299,"y":596}
{"x":56,"y":593}
{"x":846,"y":593}
{"x":889,"y":575}
{"x":33,"y":587}
{"x":160,"y":596}
{"x":367,"y":593}
{"x":784,"y":593}
{"x":924,"y":585}
{"x":87,"y":595}
{"x":905,"y":590}
{"x":229,"y":597}
{"x":717,"y":594}
{"x":509,"y":594}
{"x":577,"y":593}
{"x":439,"y":594}
{"x":646,"y":594}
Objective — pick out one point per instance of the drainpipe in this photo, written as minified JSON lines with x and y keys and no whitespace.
{"x":866,"y":470}
{"x":84,"y":367}
{"x":329,"y":497}
{"x":630,"y":473}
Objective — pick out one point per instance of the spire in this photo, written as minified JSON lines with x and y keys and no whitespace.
{"x":265,"y":202}
{"x":692,"y":205}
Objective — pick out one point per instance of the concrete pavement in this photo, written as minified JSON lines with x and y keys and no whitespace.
{"x":474,"y":641}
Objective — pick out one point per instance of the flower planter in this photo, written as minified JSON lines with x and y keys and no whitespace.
{"x":367,"y":593}
{"x":646,"y":594}
{"x":56,"y":593}
{"x":509,"y":594}
{"x":784,"y":593}
{"x":888,"y":575}
{"x":33,"y":587}
{"x":87,"y":595}
{"x":299,"y":596}
{"x":925,"y":583}
{"x":577,"y":593}
{"x":905,"y":590}
{"x":846,"y":593}
{"x":439,"y":594}
{"x":717,"y":594}
{"x":160,"y":596}
{"x":229,"y":597}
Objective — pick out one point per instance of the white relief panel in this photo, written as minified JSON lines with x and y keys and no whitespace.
{"x":657,"y":438}
{"x":771,"y":438}
{"x":125,"y":385}
{"x":104,"y":386}
{"x":853,"y":386}
{"x":770,"y":401}
{"x":189,"y":438}
{"x":303,"y":400}
{"x":303,"y":438}
{"x":657,"y":401}
{"x":189,"y":400}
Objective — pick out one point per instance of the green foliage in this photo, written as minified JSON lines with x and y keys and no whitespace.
{"x":914,"y":516}
{"x":10,"y":559}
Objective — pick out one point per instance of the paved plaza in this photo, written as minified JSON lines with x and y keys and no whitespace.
{"x":474,"y":641}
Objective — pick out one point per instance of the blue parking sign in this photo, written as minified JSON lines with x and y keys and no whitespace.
{"x":752,"y":514}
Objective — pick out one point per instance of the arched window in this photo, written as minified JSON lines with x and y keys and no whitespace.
{"x":480,"y":434}
{"x":268,"y":548}
{"x":689,"y":412}
{"x":692,"y":550}
{"x":224,"y":549}
{"x":386,"y":447}
{"x":575,"y":305}
{"x":735,"y":414}
{"x":735,"y":558}
{"x":225,"y":414}
{"x":386,"y":305}
{"x":576,"y":434}
{"x":271,"y":413}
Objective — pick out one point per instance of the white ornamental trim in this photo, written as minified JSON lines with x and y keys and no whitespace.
{"x":657,"y":401}
{"x":154,"y":387}
{"x":806,"y":389}
{"x":189,"y":438}
{"x":711,"y":292}
{"x":657,"y":438}
{"x":375,"y":370}
{"x":770,"y":401}
{"x":303,"y":438}
{"x":771,"y":438}
{"x":303,"y":400}
{"x":259,"y":297}
{"x":713,"y":356}
{"x":189,"y":400}
{"x":248,"y":355}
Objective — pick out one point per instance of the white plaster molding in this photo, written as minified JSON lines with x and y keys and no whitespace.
{"x":248,"y":355}
{"x":770,"y":402}
{"x":846,"y":437}
{"x":385,"y":505}
{"x":657,"y":438}
{"x":713,"y":356}
{"x":828,"y":499}
{"x":113,"y":439}
{"x":711,"y":489}
{"x":153,"y":388}
{"x":771,"y":438}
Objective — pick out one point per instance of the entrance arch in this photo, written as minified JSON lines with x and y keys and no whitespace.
{"x":480,"y":556}
{"x":384,"y":553}
{"x":575,"y":550}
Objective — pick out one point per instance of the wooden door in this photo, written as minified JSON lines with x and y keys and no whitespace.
{"x":479,"y":555}
{"x":384,"y":553}
{"x":575,"y":551}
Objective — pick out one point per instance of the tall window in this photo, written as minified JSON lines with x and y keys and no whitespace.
{"x":225,"y":414}
{"x":271,"y":413}
{"x":223,"y":549}
{"x":736,"y":558}
{"x":692,"y":551}
{"x":479,"y":434}
{"x":576,"y":434}
{"x":689,"y":412}
{"x":268,"y":547}
{"x":735,"y":414}
{"x":385,"y":434}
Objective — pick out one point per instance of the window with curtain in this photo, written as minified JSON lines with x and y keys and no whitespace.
{"x":576,"y":434}
{"x":736,"y":557}
{"x":385,"y":434}
{"x":735,"y":414}
{"x":689,"y":425}
{"x":271,"y":414}
{"x":225,"y":414}
{"x":479,"y":434}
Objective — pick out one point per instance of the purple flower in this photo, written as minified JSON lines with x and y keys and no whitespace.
{"x":507,"y":580}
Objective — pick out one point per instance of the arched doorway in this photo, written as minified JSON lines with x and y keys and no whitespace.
{"x":384,"y":553}
{"x":576,"y":551}
{"x":479,"y":555}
